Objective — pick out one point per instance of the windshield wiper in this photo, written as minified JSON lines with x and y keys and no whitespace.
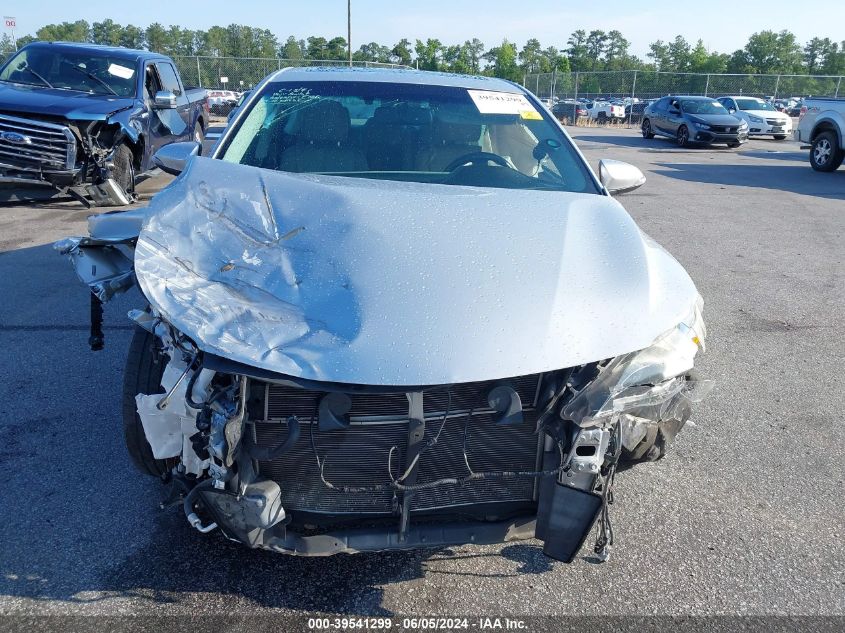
{"x":95,"y":78}
{"x":32,"y":72}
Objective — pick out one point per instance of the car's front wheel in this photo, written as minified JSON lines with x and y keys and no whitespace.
{"x":825,"y":154}
{"x":780,"y":137}
{"x":683,"y":136}
{"x":734,"y":145}
{"x":646,"y":128}
{"x":144,"y":368}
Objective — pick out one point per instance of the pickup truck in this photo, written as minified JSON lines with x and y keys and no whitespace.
{"x":87,"y":119}
{"x":822,"y":125}
{"x":602,"y":111}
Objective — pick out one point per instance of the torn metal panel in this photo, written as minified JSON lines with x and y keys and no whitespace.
{"x":392,"y":283}
{"x":105,"y":266}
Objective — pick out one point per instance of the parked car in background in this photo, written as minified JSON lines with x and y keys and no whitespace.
{"x":822,"y":125}
{"x":692,"y":119}
{"x":795,"y":108}
{"x":634,"y":111}
{"x":605,"y":112}
{"x":570,"y":110}
{"x":762,"y":117}
{"x":322,"y":368}
{"x":87,"y":119}
{"x":241,"y":98}
{"x":221,"y":102}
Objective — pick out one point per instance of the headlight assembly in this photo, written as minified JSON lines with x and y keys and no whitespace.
{"x":654,"y":376}
{"x":755,"y":119}
{"x":701,"y":126}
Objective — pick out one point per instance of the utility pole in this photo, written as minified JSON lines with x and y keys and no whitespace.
{"x":349,"y":29}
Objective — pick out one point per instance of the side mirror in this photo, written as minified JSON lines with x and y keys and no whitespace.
{"x":173,"y":158}
{"x":165,"y":100}
{"x":618,"y":177}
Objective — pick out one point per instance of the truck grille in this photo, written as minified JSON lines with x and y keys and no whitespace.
{"x":358,"y":455}
{"x":36,"y":145}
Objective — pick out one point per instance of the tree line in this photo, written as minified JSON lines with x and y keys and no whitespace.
{"x":766,"y":52}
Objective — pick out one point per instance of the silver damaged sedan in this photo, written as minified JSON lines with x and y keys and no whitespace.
{"x":393,"y":310}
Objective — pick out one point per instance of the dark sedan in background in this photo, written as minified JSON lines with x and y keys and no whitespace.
{"x":690,"y":120}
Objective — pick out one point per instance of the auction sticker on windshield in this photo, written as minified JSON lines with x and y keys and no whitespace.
{"x":489,"y":102}
{"x":121,"y":71}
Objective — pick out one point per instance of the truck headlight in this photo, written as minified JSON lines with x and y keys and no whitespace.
{"x":656,"y":375}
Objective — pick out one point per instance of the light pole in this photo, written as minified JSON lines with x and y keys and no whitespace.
{"x":349,"y":29}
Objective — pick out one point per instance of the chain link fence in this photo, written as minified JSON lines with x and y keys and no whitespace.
{"x":243,"y":73}
{"x":648,"y":84}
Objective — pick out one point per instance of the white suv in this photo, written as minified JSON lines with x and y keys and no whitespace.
{"x":762,"y":117}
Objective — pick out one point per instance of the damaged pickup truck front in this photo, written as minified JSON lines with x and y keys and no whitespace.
{"x":87,"y":119}
{"x":395,"y":309}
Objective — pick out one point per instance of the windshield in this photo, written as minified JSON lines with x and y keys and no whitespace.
{"x":702,"y":106}
{"x":409,"y":132}
{"x":754,"y":104}
{"x":84,"y":71}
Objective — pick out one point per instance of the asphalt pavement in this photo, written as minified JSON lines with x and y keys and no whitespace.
{"x":745,"y":516}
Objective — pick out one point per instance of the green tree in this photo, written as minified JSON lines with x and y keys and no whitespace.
{"x":531,"y":57}
{"x":401,"y":52}
{"x":503,"y":61}
{"x":78,"y":31}
{"x":156,"y":37}
{"x":429,"y":54}
{"x":596,"y":46}
{"x":372,"y":52}
{"x":292,"y":49}
{"x":106,"y":32}
{"x":577,"y":50}
{"x":132,"y":36}
{"x":769,"y":52}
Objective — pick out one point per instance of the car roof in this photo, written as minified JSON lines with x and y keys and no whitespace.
{"x":394,"y":75}
{"x":743,"y":97}
{"x":114,"y":51}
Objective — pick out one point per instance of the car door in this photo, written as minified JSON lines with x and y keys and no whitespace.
{"x":180,"y":124}
{"x":658,"y":115}
{"x":674,"y":117}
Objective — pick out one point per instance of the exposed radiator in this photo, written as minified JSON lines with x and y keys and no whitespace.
{"x":358,"y":455}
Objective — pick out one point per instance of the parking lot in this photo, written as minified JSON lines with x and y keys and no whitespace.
{"x":745,"y":516}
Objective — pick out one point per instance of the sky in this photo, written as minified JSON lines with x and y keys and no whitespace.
{"x":723,"y":25}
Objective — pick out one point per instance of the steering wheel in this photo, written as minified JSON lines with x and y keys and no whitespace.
{"x":477,"y":157}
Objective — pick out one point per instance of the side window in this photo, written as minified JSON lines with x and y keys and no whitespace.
{"x":169,"y":80}
{"x":729,"y":104}
{"x":151,"y":83}
{"x":663,"y":104}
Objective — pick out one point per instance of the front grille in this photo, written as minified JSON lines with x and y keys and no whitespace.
{"x":776,"y":122}
{"x":36,"y":144}
{"x":358,"y":455}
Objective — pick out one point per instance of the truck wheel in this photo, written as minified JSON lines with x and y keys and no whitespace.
{"x":602,"y":117}
{"x":199,"y":135}
{"x":124,"y":167}
{"x":143,"y":372}
{"x":647,"y":131}
{"x":825,"y":154}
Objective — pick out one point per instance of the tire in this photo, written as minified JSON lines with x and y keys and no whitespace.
{"x":602,"y":118}
{"x":780,"y":137}
{"x":825,"y":154}
{"x":124,"y":167}
{"x":143,"y":372}
{"x":199,"y":135}
{"x":734,"y":145}
{"x":682,"y":138}
{"x":646,"y":129}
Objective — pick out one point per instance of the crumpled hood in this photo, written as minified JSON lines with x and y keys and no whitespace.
{"x":70,"y":104}
{"x":387,"y":283}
